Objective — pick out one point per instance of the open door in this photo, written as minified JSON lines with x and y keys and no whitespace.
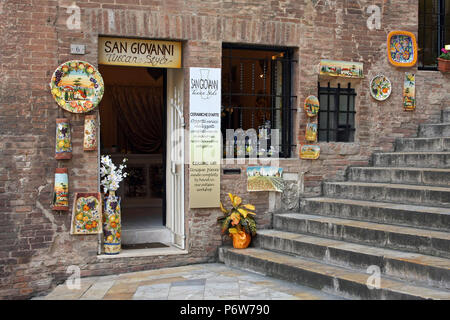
{"x":175,"y":157}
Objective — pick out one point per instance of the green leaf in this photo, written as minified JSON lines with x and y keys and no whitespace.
{"x":225,"y":224}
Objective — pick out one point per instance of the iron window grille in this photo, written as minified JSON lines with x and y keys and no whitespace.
{"x":434,"y":31}
{"x":336,"y":114}
{"x":256,"y":93}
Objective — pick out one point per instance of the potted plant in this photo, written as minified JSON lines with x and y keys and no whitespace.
{"x":444,"y":59}
{"x":239,"y":221}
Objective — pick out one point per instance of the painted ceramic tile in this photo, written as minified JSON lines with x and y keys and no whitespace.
{"x":402,"y":48}
{"x":380,"y":88}
{"x":61,"y":190}
{"x":309,"y":152}
{"x":312,"y":106}
{"x":311,"y":132}
{"x":409,"y":92}
{"x":90,"y":133}
{"x":86,"y":214}
{"x":112,"y":225}
{"x":265,"y":179}
{"x":77,"y":86}
{"x":63,"y":148}
{"x":345,"y":69}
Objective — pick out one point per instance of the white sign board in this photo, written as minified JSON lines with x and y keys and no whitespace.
{"x":205,"y":137}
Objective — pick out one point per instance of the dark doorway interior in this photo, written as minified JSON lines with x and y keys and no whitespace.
{"x":133,"y":126}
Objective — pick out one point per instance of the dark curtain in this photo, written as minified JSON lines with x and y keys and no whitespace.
{"x":140,"y":115}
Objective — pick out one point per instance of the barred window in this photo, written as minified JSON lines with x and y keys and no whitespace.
{"x":434,"y":31}
{"x":256,"y":94}
{"x":337,"y":114}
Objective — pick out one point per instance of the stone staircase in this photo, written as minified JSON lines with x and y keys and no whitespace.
{"x":394,"y":215}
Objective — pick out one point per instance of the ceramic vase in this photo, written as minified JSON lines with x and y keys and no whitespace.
{"x":112,"y":227}
{"x":90,"y":133}
{"x":61,"y":190}
{"x":241,"y":240}
{"x":63,"y":148}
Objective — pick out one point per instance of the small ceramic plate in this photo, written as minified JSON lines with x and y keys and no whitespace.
{"x":309,"y":152}
{"x":77,"y":86}
{"x":380,"y":87}
{"x":312,"y":106}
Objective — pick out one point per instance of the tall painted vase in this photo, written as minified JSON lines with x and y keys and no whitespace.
{"x":90,"y":133}
{"x":112,"y":226}
{"x":61,"y":190}
{"x":63,"y":149}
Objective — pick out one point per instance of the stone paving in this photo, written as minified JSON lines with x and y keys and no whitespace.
{"x":194,"y":282}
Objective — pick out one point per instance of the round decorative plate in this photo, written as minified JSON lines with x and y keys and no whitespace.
{"x":312,"y":106}
{"x":380,"y":87}
{"x":77,"y":86}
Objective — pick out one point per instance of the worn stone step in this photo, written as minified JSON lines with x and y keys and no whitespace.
{"x":386,"y":192}
{"x":428,"y":270}
{"x":435,"y":218}
{"x":412,"y":159}
{"x":422,"y":144}
{"x":332,"y":279}
{"x":416,"y":240}
{"x":446,"y":116}
{"x":425,"y":176}
{"x":431,"y":130}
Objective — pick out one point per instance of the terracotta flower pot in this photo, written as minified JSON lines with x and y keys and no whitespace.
{"x":241,"y":240}
{"x":443,"y":65}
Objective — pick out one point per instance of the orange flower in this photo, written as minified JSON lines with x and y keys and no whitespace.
{"x":113,"y":225}
{"x":118,"y":235}
{"x":73,"y":104}
{"x":385,"y":90}
{"x":94,"y":224}
{"x":88,"y":226}
{"x":88,"y":104}
{"x":85,"y":207}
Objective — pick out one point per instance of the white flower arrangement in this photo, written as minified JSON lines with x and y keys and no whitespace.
{"x":111,"y":175}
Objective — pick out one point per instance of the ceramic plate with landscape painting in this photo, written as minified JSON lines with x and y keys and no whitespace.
{"x":265,"y":178}
{"x":309,"y":152}
{"x":77,"y":86}
{"x":380,"y":88}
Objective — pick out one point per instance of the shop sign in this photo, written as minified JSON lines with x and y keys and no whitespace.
{"x":205,"y":137}
{"x":139,"y":52}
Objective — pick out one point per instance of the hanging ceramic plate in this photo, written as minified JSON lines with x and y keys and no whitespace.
{"x":77,"y":86}
{"x":312,"y":106}
{"x":380,"y":87}
{"x":309,"y":152}
{"x":402,"y":48}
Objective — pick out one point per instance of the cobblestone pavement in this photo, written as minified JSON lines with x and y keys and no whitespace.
{"x":194,"y":282}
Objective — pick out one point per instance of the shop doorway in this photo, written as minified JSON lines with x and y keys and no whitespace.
{"x":133,"y":115}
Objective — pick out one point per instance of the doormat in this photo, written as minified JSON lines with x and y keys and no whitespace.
{"x":145,"y":245}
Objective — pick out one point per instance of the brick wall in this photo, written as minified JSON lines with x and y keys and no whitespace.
{"x":35,"y":245}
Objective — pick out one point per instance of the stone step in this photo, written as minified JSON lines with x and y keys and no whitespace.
{"x":412,"y":159}
{"x":424,"y":176}
{"x":446,"y":116}
{"x":416,"y":240}
{"x":427,"y":270}
{"x":434,"y":130}
{"x":435,"y":218}
{"x":386,"y":192}
{"x":332,"y":279}
{"x":422,"y":144}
